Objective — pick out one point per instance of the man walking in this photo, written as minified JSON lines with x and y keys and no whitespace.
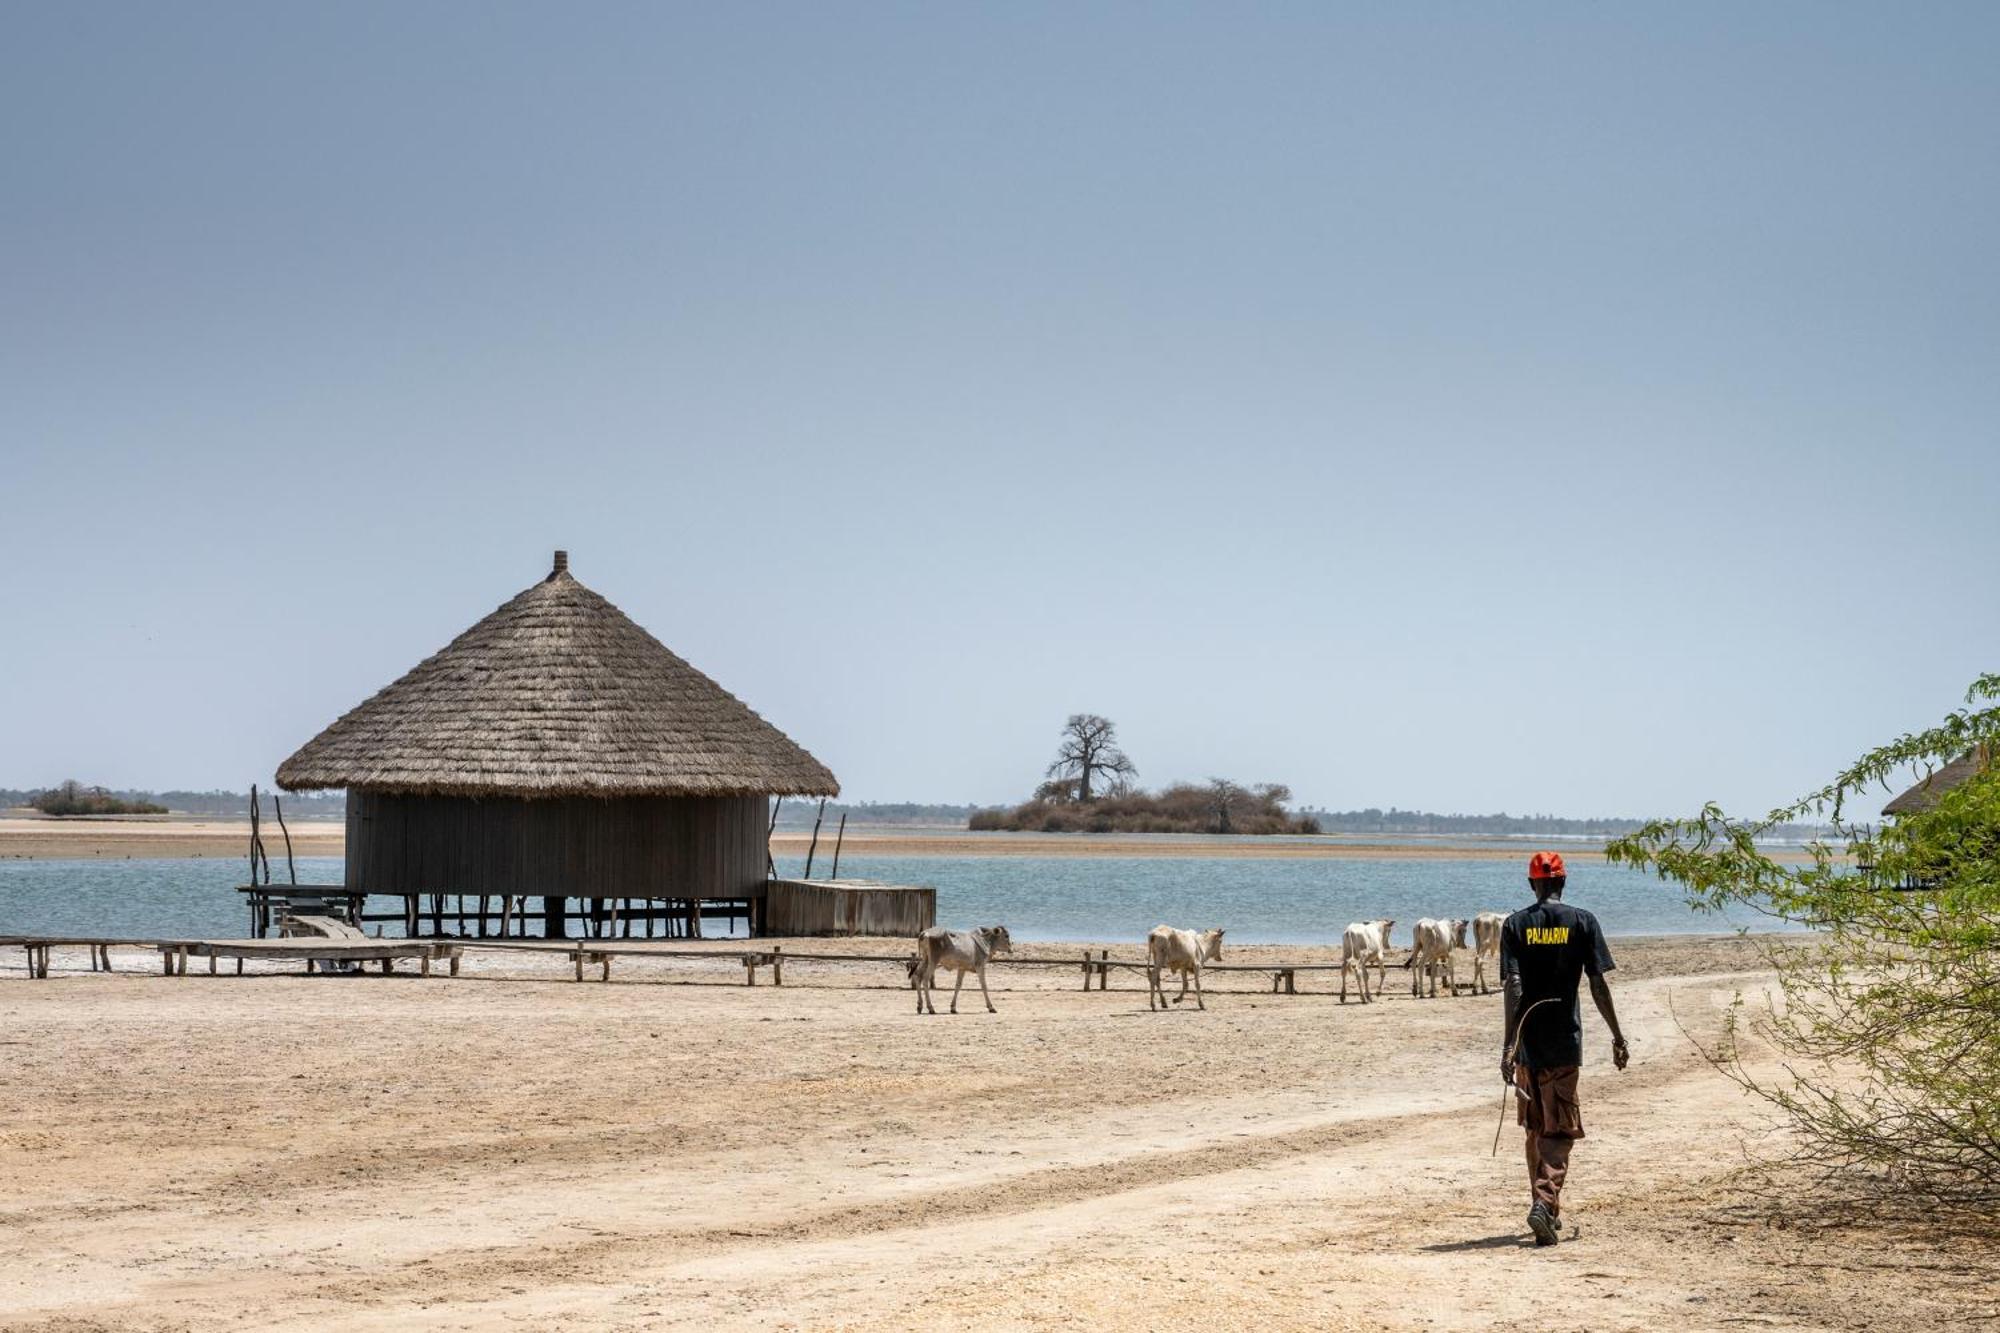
{"x":1544,"y":950}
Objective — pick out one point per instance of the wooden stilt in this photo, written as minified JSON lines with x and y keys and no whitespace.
{"x":813,"y":846}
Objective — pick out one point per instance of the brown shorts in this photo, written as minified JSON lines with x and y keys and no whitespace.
{"x":1548,"y":1104}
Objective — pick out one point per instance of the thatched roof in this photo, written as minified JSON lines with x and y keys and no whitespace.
{"x":1925,"y":794}
{"x":557,"y":693}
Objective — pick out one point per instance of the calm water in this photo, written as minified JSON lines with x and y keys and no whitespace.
{"x":1037,"y":898}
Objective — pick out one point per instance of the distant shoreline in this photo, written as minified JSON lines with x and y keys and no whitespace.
{"x":165,"y":839}
{"x":156,"y":838}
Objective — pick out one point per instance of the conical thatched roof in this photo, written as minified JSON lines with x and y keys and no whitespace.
{"x":557,"y":693}
{"x":1923,"y":795}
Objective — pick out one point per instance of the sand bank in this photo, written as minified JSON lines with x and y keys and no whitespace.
{"x":63,"y":839}
{"x":154,"y":839}
{"x":674,"y":1150}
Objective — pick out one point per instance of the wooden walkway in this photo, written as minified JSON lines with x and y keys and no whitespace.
{"x":316,"y":954}
{"x":1092,"y":965}
{"x":1097,"y":967}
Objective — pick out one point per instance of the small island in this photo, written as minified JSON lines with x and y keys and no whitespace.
{"x":1089,"y":789}
{"x":73,"y":798}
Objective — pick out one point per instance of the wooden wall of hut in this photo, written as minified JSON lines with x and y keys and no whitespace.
{"x":577,"y":847}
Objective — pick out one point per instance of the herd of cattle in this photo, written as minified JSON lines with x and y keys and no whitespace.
{"x":1434,"y":945}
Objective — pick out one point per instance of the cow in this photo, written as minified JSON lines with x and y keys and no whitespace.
{"x":1486,"y":944}
{"x":1182,"y":951}
{"x":1431,"y":944}
{"x":1361,"y":944}
{"x":960,"y":950}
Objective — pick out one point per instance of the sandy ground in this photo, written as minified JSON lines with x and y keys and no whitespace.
{"x":48,"y":839}
{"x":674,"y":1150}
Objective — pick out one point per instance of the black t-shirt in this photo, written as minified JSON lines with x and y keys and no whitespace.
{"x":1549,"y":946}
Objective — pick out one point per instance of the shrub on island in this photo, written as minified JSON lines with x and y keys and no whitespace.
{"x":1218,"y":806}
{"x":73,"y":798}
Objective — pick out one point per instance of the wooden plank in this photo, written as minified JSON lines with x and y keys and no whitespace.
{"x":295,"y":950}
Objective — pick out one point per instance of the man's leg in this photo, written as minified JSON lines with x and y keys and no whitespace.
{"x":1548,"y":1166}
{"x":1550,"y":1121}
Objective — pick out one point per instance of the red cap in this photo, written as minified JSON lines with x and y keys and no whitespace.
{"x":1546,"y":865}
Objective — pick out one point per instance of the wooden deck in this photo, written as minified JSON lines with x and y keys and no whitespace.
{"x":806,"y":907}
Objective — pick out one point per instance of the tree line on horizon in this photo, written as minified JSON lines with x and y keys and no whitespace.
{"x":221,"y":804}
{"x":1182,"y":805}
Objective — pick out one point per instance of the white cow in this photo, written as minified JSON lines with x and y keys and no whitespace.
{"x":1486,"y":944}
{"x":960,"y":950}
{"x":1430,"y":954}
{"x":1361,"y":944}
{"x":1182,"y":951}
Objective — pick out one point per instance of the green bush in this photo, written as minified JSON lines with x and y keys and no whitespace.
{"x":1890,"y":1021}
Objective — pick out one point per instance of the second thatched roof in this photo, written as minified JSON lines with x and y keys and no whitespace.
{"x":557,"y":693}
{"x":1925,"y":794}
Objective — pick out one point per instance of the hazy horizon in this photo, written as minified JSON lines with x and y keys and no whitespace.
{"x":1580,"y":410}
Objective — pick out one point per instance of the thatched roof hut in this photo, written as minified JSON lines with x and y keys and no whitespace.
{"x":557,"y":749}
{"x":1925,"y":794}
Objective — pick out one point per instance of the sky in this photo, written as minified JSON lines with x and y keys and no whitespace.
{"x":1573,"y":408}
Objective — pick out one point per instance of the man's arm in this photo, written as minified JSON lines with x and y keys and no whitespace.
{"x":1600,"y":994}
{"x":1597,"y":964}
{"x":1510,"y":1001}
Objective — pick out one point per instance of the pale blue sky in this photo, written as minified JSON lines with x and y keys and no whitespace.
{"x":1566,"y":408}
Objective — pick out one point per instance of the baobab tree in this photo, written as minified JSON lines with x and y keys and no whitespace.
{"x":1090,"y":751}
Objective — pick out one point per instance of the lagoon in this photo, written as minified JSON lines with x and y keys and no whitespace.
{"x":1037,"y":898}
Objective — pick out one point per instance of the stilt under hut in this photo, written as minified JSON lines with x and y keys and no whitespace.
{"x":555,"y":769}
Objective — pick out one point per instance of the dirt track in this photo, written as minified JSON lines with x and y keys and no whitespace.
{"x":512,"y":1150}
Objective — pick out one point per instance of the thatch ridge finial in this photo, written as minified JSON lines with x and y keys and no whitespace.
{"x":562,"y":564}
